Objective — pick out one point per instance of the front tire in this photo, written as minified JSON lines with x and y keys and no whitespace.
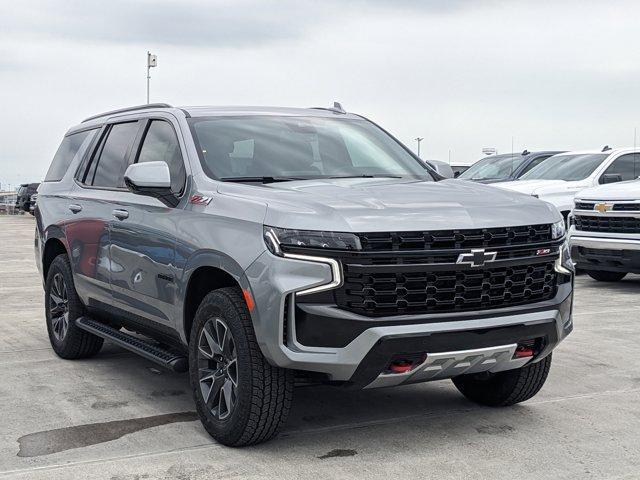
{"x":241,"y":399}
{"x":504,"y":388}
{"x":604,"y":276}
{"x":62,"y":308}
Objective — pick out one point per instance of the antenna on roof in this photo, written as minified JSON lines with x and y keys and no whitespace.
{"x":338,"y":108}
{"x":525,"y":152}
{"x":606,"y":148}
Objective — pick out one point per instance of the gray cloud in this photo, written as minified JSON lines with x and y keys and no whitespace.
{"x":463,"y":74}
{"x":212,"y":24}
{"x":226,"y":23}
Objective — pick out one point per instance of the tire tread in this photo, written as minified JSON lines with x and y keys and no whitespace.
{"x":77,"y":343}
{"x":271,"y":387}
{"x":505,"y":388}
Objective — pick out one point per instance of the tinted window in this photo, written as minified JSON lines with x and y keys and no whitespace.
{"x":626,"y":166}
{"x":495,"y":167}
{"x":566,"y":167}
{"x":161,"y":145}
{"x":67,"y":151}
{"x":299,"y":147}
{"x":534,"y":163}
{"x":112,"y":161}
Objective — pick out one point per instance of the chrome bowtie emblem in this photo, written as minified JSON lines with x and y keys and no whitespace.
{"x":476,"y":258}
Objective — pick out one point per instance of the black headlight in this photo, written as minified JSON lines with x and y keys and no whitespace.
{"x":274,"y":237}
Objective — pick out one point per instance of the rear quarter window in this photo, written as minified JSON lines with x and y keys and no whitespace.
{"x":67,"y":151}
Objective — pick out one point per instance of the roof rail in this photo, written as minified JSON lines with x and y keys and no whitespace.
{"x":128,"y":109}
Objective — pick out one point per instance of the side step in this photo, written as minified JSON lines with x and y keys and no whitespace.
{"x":172,"y":361}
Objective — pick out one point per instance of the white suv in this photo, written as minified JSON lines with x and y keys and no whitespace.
{"x":559,"y":178}
{"x":605,"y":235}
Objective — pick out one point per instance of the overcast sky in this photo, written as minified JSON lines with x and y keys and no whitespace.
{"x":463,"y":74}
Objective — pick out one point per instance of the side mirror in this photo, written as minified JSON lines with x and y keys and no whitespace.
{"x":151,"y":179}
{"x":611,"y":178}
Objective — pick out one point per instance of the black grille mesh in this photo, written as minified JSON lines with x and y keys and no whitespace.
{"x":585,"y":205}
{"x":626,"y":207}
{"x":607,"y":224}
{"x":455,"y":239}
{"x":617,"y":207}
{"x":377,"y":294}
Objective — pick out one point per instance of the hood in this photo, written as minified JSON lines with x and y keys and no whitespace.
{"x":536,"y":187}
{"x":369,"y":205}
{"x":613,"y":191}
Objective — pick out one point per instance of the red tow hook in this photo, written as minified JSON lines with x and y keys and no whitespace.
{"x":523,"y":352}
{"x":401,"y":367}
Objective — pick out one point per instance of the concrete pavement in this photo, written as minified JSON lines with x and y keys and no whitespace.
{"x":118,"y":416}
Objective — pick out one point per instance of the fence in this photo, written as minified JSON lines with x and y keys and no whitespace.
{"x":8,"y":204}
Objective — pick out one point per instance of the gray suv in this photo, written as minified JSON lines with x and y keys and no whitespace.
{"x":255,"y":246}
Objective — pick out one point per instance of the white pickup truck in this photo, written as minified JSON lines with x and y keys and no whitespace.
{"x":559,"y":178}
{"x":605,"y":230}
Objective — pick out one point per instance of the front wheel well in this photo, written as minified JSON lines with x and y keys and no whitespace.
{"x":52,"y":249}
{"x":202,"y":281}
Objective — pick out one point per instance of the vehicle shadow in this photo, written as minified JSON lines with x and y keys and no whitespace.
{"x":326,"y":408}
{"x":320,"y":414}
{"x":337,"y":422}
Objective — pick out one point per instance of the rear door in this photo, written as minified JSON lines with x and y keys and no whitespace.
{"x":143,"y":235}
{"x":99,"y":181}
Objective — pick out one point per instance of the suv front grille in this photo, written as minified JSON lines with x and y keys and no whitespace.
{"x":617,"y":207}
{"x":403,"y":273}
{"x":607,"y":224}
{"x":374,"y":293}
{"x":455,"y":239}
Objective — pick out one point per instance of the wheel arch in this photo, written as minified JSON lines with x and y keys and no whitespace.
{"x":207,"y":271}
{"x":54,"y":244}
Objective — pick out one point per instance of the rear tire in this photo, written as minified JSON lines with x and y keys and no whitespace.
{"x":604,"y":276}
{"x":504,"y":388}
{"x":241,"y":399}
{"x":62,"y":308}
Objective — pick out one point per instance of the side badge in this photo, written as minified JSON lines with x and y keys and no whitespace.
{"x":200,"y":200}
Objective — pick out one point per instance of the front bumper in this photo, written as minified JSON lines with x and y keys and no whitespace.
{"x":274,"y":281}
{"x":598,"y":252}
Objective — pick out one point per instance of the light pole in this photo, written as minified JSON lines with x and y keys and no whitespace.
{"x":152,"y":61}
{"x":419,"y":139}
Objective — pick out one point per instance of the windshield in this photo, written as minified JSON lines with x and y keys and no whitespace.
{"x":566,"y":167}
{"x":495,"y":167}
{"x":291,"y":148}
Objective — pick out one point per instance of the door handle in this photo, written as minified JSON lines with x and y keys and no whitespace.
{"x":120,"y":214}
{"x":75,"y":208}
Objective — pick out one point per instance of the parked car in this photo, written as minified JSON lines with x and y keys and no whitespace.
{"x":605,"y":231}
{"x":23,"y":199}
{"x":32,"y":203}
{"x":442,"y":168}
{"x":560,"y":177}
{"x":458,"y":169}
{"x":251,"y":246}
{"x":504,"y":167}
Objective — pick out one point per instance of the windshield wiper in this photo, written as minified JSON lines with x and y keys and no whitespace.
{"x":366,"y":176}
{"x":261,"y":179}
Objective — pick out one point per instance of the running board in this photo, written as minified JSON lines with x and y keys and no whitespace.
{"x":172,"y":361}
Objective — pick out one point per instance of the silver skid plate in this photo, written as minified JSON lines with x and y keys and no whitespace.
{"x":451,"y":364}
